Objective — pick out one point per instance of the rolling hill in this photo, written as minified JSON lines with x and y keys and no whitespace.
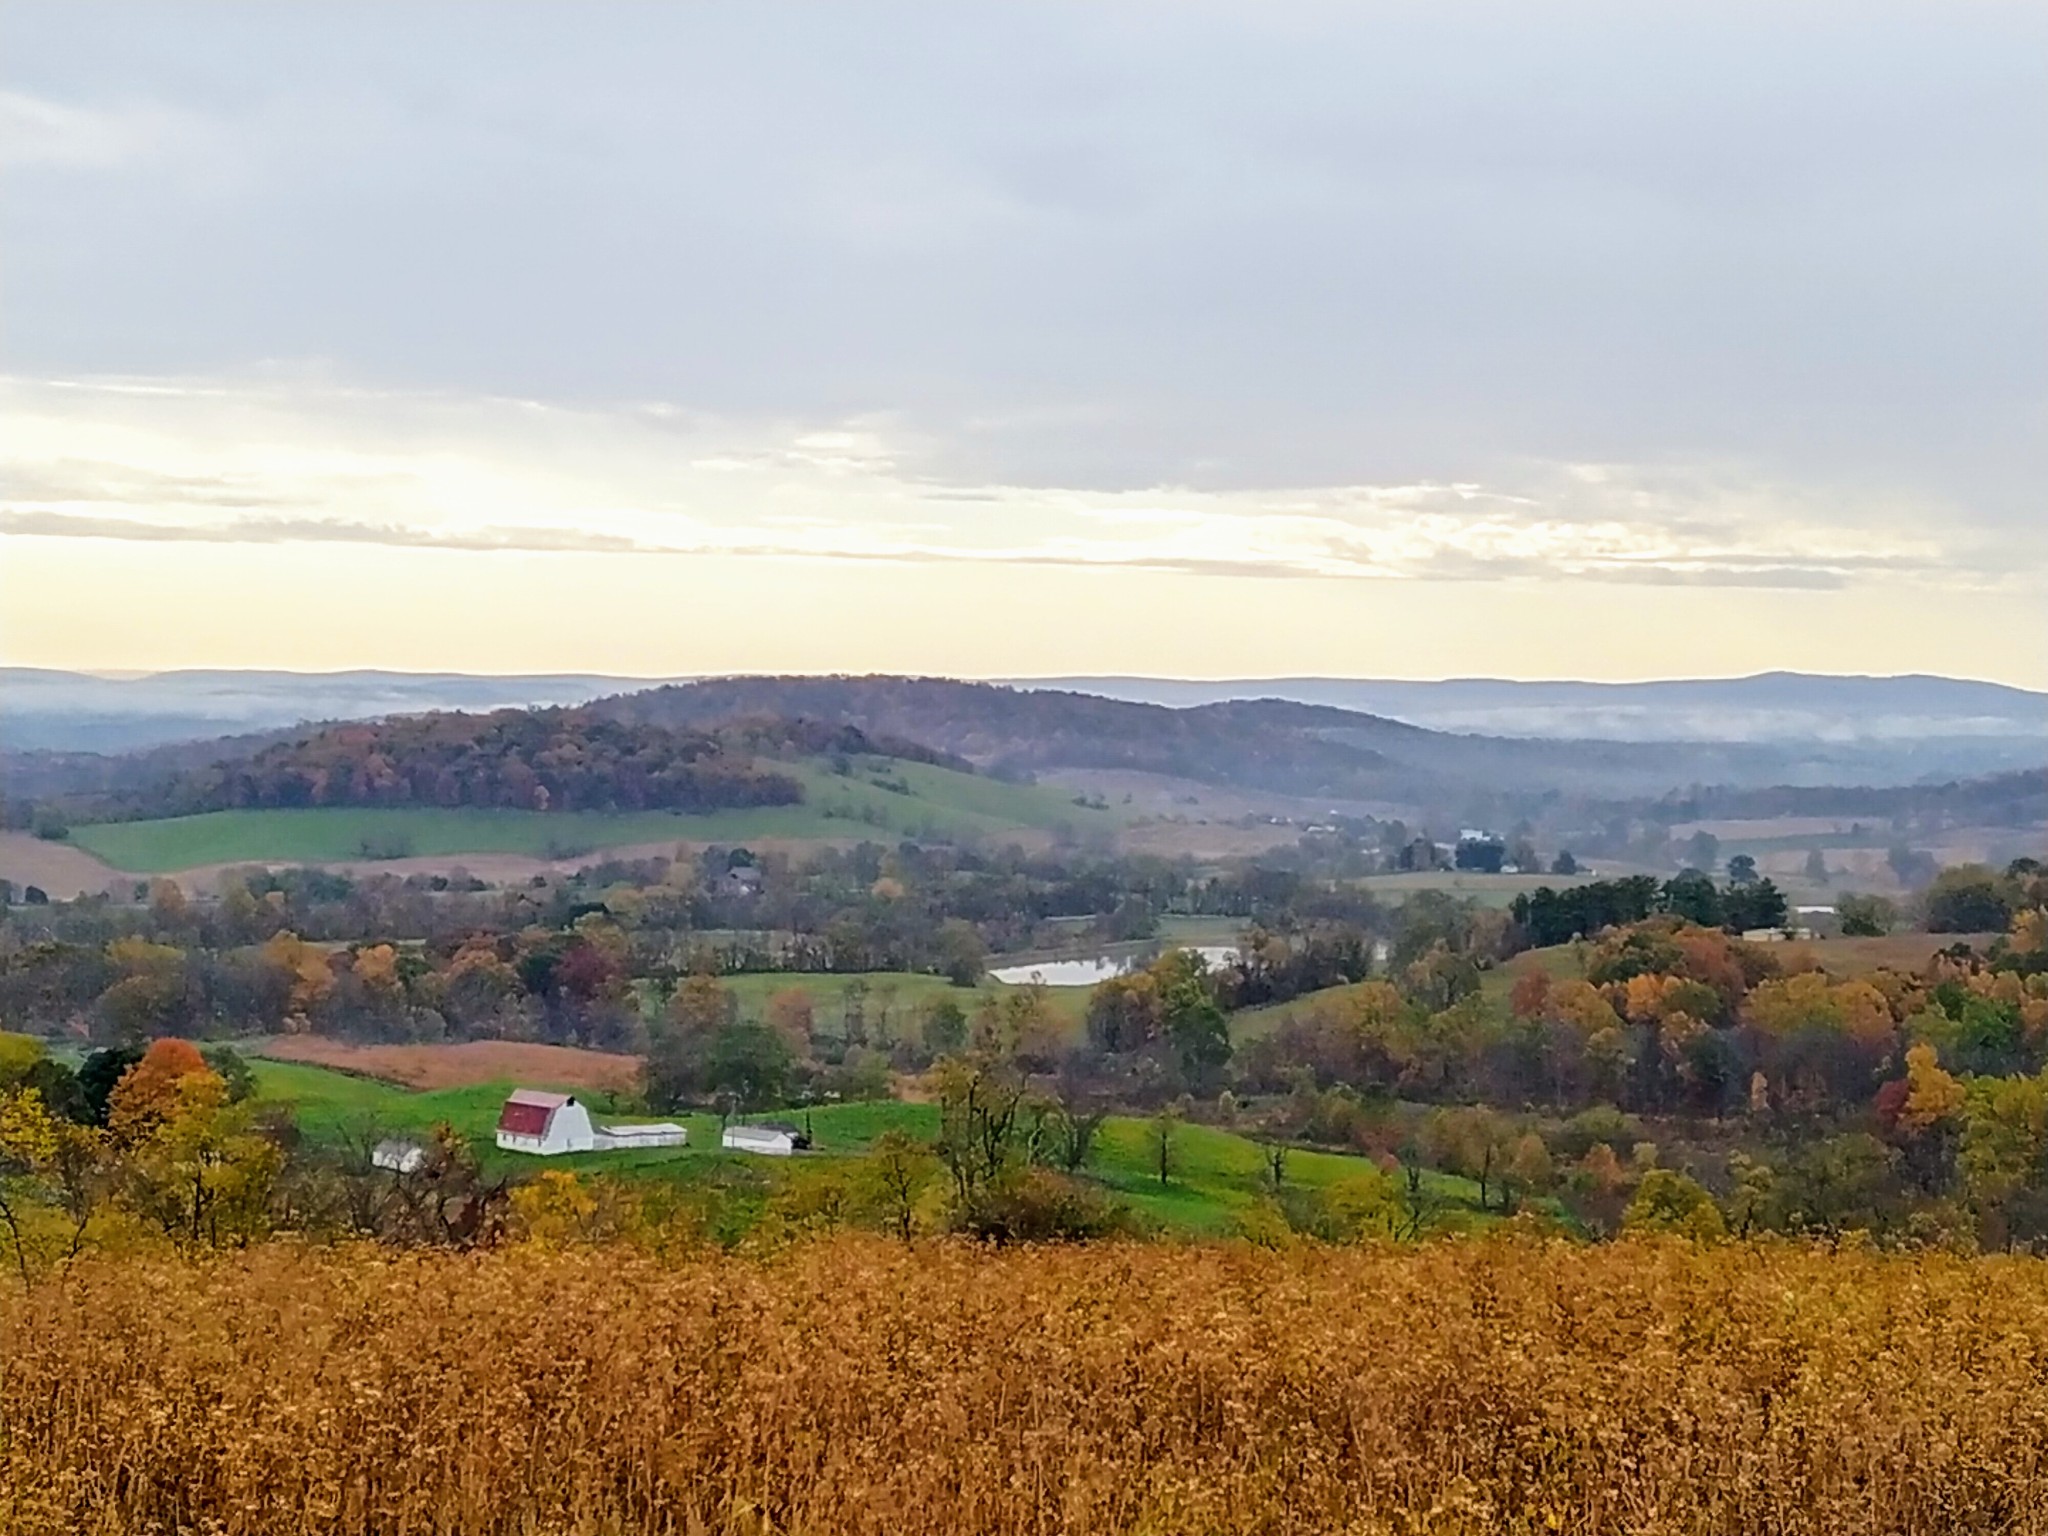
{"x":1795,"y":727}
{"x":1306,"y":750}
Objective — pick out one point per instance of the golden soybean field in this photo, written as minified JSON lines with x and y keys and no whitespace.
{"x":851,"y":1385}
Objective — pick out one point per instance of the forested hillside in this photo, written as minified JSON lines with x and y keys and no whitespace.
{"x":1258,"y":744}
{"x":538,"y":760}
{"x":511,"y":759}
{"x":1282,"y":747}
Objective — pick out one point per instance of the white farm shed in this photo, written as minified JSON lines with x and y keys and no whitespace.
{"x":545,"y":1124}
{"x":766,"y":1140}
{"x":399,"y":1156}
{"x":627,"y":1138}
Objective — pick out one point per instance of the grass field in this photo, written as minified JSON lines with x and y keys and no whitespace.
{"x":1217,"y":1172}
{"x":1560,"y":961}
{"x":940,"y":804}
{"x":893,"y":998}
{"x":1467,"y":885}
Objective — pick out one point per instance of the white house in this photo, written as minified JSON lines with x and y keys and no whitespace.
{"x":545,"y":1124}
{"x":398,"y":1156}
{"x":628,"y":1138}
{"x":770,"y":1140}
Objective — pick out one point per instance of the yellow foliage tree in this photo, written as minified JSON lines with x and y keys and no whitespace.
{"x":1932,"y":1095}
{"x":307,"y":975}
{"x":1668,"y":1201}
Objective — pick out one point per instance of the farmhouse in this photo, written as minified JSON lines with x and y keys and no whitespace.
{"x":772,"y":1138}
{"x":544,"y":1124}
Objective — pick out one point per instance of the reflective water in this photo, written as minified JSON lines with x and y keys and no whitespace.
{"x":1097,"y":968}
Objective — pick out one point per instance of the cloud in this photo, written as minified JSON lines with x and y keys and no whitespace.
{"x":296,"y":462}
{"x":35,"y":131}
{"x":62,"y":525}
{"x":1104,"y":246}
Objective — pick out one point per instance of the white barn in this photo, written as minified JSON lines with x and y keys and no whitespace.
{"x":772,"y":1140}
{"x":545,"y":1124}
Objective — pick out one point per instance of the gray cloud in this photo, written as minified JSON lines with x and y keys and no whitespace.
{"x":1102,"y":245}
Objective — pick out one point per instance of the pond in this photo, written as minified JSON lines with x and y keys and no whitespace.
{"x":1097,"y":968}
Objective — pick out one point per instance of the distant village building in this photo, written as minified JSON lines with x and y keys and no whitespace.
{"x":398,"y":1156}
{"x":741,"y":880}
{"x":772,"y":1139}
{"x":545,"y":1124}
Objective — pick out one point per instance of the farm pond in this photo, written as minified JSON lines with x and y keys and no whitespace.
{"x":1096,"y":968}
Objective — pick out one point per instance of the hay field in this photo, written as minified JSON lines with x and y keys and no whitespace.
{"x":852,"y":1387}
{"x":464,"y":1064}
{"x":58,"y":869}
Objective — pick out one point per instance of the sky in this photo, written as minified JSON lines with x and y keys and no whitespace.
{"x":1573,"y":340}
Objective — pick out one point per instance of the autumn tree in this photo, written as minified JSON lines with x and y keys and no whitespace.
{"x":1473,"y":1142}
{"x":703,"y":1005}
{"x":789,"y":1014}
{"x":2003,"y":1159}
{"x":1528,"y":1172}
{"x":1669,"y":1201}
{"x":892,"y":1180}
{"x":150,"y":1093}
{"x":40,"y":1226}
{"x":193,"y":1165}
{"x":1162,"y":1137}
{"x":982,"y":1110}
{"x":1193,"y":1020}
{"x":1865,"y":917}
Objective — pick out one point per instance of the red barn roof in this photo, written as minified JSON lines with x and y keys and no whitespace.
{"x":527,"y":1113}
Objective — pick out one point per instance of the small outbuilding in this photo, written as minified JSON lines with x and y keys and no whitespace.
{"x":398,"y":1156}
{"x":545,"y":1124}
{"x":773,"y":1138}
{"x":628,"y":1138}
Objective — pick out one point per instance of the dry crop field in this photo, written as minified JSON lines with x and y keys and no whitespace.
{"x":465,"y":1064}
{"x":847,"y":1385}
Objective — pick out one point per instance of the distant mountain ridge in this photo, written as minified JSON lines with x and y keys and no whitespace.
{"x":1780,"y":727}
{"x":1770,"y":706}
{"x":47,"y":710}
{"x":1273,"y":745}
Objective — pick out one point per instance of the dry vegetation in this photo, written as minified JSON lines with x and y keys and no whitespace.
{"x":848,"y":1385}
{"x":1907,"y":953}
{"x":465,"y":1064}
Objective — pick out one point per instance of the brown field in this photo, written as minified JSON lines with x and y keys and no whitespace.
{"x":849,"y":1386}
{"x":1769,"y":827}
{"x":1899,"y":951}
{"x":470,"y":1062}
{"x":58,"y":868}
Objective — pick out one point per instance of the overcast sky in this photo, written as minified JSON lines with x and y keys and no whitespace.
{"x":1529,"y":339}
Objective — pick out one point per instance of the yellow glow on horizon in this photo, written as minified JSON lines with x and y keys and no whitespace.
{"x":118,"y":605}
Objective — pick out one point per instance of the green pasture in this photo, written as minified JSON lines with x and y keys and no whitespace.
{"x":1217,"y":1173}
{"x":892,"y":1002}
{"x":1560,"y":961}
{"x":929,"y":802}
